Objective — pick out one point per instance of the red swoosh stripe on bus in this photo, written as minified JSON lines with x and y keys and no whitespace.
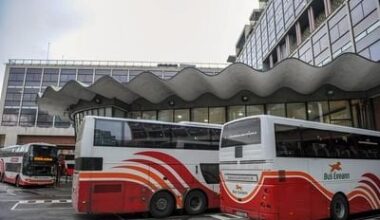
{"x":173,"y":180}
{"x":370,"y":194}
{"x":169,"y":160}
{"x":110,"y":175}
{"x":373,"y":187}
{"x":374,"y":178}
{"x":177,"y":166}
{"x":148,"y":173}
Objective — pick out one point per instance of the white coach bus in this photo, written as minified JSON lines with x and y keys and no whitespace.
{"x":127,"y":166}
{"x":281,"y":168}
{"x":28,"y":164}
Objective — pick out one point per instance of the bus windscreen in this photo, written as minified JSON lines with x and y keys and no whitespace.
{"x":240,"y":133}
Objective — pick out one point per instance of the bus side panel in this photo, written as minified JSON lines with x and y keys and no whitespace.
{"x":81,"y":196}
{"x":294,"y":200}
{"x":107,"y":196}
{"x":136,"y":197}
{"x":359,"y":204}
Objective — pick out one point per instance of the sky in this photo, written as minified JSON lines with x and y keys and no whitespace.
{"x":134,"y":30}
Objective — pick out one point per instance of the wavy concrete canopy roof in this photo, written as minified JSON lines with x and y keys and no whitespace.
{"x":348,"y":72}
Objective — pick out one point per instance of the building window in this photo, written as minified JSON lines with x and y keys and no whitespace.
{"x":33,"y":77}
{"x":255,"y":110}
{"x":276,"y":109}
{"x":102,"y":72}
{"x":28,"y":117}
{"x":217,"y":115}
{"x":44,"y":119}
{"x":120,"y":75}
{"x":13,"y":97}
{"x":165,"y":115}
{"x":29,"y":97}
{"x":85,"y":75}
{"x":318,"y":111}
{"x":61,"y":123}
{"x":235,"y":112}
{"x":67,"y":75}
{"x":50,"y":77}
{"x":340,"y":113}
{"x":10,"y":116}
{"x":296,"y":110}
{"x":117,"y":113}
{"x":16,"y":77}
{"x":181,"y":115}
{"x":199,"y":115}
{"x":149,"y":115}
{"x":134,"y":115}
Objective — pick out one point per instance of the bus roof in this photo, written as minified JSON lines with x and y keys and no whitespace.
{"x":311,"y":124}
{"x":193,"y":124}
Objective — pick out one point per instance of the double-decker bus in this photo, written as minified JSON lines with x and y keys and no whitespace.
{"x":280,"y":168}
{"x":29,"y":164}
{"x":129,"y":166}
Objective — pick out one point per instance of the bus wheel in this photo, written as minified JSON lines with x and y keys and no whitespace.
{"x":339,"y":208}
{"x":161,"y":205}
{"x":195,"y":203}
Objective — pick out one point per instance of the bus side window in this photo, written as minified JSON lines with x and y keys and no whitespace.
{"x":215,"y":135}
{"x":288,"y":141}
{"x":108,"y":133}
{"x":368,"y":147}
{"x":340,"y":145}
{"x":315,"y":142}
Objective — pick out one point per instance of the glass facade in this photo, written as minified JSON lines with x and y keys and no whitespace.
{"x":341,"y":112}
{"x":286,"y":28}
{"x":24,"y":84}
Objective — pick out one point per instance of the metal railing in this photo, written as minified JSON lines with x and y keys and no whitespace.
{"x":110,"y":63}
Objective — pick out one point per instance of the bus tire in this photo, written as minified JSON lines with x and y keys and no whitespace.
{"x":339,"y":209}
{"x":161,"y":205}
{"x":195,"y":202}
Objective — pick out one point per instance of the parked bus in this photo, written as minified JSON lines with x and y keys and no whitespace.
{"x":29,"y":164}
{"x":280,"y":168}
{"x":68,"y":157}
{"x":128,"y":166}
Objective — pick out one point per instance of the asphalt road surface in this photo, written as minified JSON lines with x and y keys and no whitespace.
{"x":46,"y":203}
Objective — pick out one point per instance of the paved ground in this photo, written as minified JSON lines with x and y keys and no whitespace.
{"x":45,"y":203}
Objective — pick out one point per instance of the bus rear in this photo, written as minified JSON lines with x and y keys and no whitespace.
{"x":244,"y":161}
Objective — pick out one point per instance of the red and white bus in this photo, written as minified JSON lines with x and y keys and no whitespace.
{"x":128,"y":166}
{"x":29,"y":164}
{"x":280,"y":168}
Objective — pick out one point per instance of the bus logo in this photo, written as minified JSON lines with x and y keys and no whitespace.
{"x":238,"y":187}
{"x":335,"y":172}
{"x":335,"y":167}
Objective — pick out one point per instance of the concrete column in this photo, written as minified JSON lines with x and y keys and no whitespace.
{"x":298,"y":34}
{"x":10,"y":139}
